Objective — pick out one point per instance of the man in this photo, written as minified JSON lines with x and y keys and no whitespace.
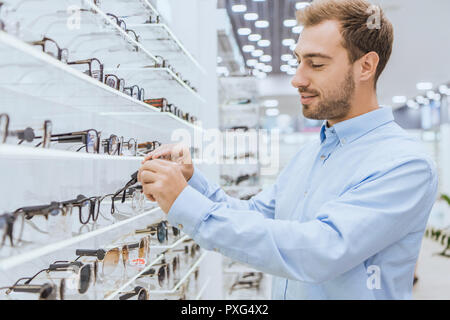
{"x":346,"y":217}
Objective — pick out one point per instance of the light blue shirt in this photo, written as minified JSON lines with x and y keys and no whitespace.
{"x":344,"y":220}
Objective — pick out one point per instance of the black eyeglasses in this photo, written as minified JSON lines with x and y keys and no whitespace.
{"x":141,"y":293}
{"x":28,"y":134}
{"x":95,"y":69}
{"x":89,"y":138}
{"x":135,"y":92}
{"x":50,"y":47}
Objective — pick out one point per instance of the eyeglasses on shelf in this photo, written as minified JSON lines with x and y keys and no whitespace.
{"x":95,"y":68}
{"x":46,"y":291}
{"x":26,"y":135}
{"x":50,"y":47}
{"x":109,"y":259}
{"x":135,"y":92}
{"x":85,"y":274}
{"x":139,"y":292}
{"x":115,"y":82}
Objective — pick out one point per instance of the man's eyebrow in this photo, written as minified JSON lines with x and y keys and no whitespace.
{"x":313,"y":55}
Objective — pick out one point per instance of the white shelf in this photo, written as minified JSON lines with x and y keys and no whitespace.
{"x":161,"y":81}
{"x":14,"y":151}
{"x":203,"y":288}
{"x":173,"y":245}
{"x":80,"y":90}
{"x":160,"y":256}
{"x":11,"y":262}
{"x":161,"y":39}
{"x":182,"y":280}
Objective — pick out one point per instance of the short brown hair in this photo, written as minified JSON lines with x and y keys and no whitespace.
{"x":354,"y":17}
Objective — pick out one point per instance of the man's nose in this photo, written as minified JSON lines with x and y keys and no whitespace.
{"x":300,"y":79}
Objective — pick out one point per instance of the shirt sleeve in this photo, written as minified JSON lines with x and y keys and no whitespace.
{"x":384,"y":207}
{"x":263,"y":202}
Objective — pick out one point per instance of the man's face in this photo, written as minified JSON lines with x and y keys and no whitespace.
{"x":324,"y":75}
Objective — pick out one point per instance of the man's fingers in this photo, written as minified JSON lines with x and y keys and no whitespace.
{"x":158,"y":166}
{"x":148,"y":177}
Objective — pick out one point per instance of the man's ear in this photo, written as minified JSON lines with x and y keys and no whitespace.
{"x":368,"y":64}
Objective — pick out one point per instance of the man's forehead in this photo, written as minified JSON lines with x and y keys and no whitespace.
{"x":324,"y":39}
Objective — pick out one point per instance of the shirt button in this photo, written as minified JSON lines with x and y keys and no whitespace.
{"x":322,"y":157}
{"x":180,"y":226}
{"x":343,"y":141}
{"x":306,"y":192}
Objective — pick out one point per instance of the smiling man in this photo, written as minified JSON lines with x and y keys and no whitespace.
{"x":346,"y":217}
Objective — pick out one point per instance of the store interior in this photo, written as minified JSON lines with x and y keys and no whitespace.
{"x":89,"y":87}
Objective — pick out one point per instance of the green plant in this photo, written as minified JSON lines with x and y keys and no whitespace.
{"x":446,"y":198}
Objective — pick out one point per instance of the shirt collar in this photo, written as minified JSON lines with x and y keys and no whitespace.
{"x":351,"y":129}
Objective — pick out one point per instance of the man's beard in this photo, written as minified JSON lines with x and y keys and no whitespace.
{"x":334,"y":105}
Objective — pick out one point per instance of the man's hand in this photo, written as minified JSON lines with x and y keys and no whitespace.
{"x":162,"y":181}
{"x":178,"y":153}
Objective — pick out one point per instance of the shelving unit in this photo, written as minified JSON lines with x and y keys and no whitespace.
{"x":240,"y":108}
{"x":39,"y":87}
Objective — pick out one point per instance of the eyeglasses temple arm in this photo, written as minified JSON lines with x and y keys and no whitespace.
{"x":31,"y":279}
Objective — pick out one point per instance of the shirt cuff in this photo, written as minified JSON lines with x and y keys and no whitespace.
{"x":198,"y":181}
{"x":189,"y":210}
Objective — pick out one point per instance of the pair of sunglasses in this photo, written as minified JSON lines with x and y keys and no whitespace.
{"x":85,"y":273}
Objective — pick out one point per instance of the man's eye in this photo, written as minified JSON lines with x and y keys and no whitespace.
{"x":317,"y":65}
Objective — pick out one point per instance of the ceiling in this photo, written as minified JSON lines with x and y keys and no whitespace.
{"x":273,"y":11}
{"x":421,"y":48}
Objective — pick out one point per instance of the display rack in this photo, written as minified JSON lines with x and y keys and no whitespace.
{"x":240,"y":171}
{"x":40,"y":87}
